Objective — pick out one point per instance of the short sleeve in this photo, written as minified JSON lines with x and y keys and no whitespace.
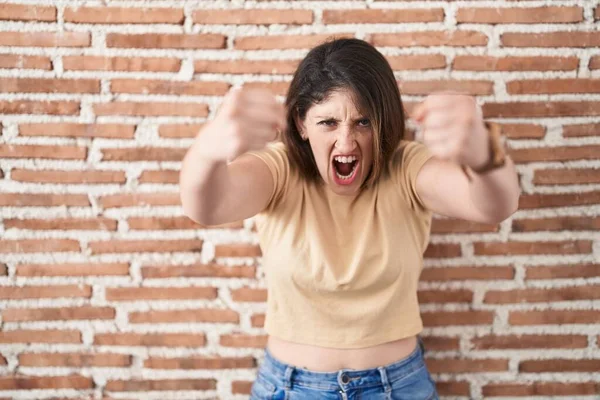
{"x":409,"y":158}
{"x":276,"y":157}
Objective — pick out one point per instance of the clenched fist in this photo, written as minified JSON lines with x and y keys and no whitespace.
{"x":452,"y":127}
{"x":247,"y":120}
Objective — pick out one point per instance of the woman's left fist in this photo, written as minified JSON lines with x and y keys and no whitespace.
{"x":452,"y":128}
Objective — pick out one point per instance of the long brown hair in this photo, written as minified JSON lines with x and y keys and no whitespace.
{"x":356,"y":65}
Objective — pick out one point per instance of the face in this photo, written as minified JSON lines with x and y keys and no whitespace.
{"x":341,"y":140}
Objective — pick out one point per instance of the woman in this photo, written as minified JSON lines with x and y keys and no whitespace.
{"x":343,"y":208}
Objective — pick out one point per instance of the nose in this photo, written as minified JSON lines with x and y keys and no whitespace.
{"x":345,"y":141}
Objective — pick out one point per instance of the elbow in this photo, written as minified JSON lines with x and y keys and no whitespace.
{"x":507,"y":210}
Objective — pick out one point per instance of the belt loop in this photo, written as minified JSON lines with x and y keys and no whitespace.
{"x":421,"y":345}
{"x":384,"y":379}
{"x":287,"y":379}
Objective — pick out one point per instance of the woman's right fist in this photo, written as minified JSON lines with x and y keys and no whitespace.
{"x":246,"y":120}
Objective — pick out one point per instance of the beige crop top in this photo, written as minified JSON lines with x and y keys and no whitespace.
{"x":342,"y":271}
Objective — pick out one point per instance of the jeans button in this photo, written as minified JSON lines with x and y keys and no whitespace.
{"x":345,"y":379}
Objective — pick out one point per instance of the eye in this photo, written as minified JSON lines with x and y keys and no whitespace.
{"x":364,"y":122}
{"x":327,"y":122}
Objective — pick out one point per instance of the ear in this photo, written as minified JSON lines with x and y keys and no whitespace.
{"x":300,"y":127}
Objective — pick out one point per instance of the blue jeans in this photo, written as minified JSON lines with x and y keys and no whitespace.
{"x":407,"y":378}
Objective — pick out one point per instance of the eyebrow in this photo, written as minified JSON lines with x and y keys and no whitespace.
{"x":336,"y":119}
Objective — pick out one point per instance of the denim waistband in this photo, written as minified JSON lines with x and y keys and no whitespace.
{"x":288,"y":375}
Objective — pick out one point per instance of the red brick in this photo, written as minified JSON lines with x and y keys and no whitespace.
{"x":514,"y":63}
{"x":278,"y":88}
{"x":557,"y":224}
{"x":185,"y":316}
{"x":417,"y":62}
{"x":68,"y":177}
{"x":43,"y":200}
{"x":545,"y":341}
{"x":253,"y":16}
{"x":148,"y":86}
{"x":45,"y":292}
{"x":166,"y":177}
{"x":21,"y":61}
{"x":199,"y":362}
{"x":534,"y":154}
{"x":139,"y":199}
{"x":458,"y":366}
{"x":453,"y":388}
{"x":559,"y":365}
{"x":23,"y":12}
{"x":532,"y":295}
{"x":249,"y":294}
{"x":382,"y":16}
{"x":38,"y":245}
{"x":21,"y":382}
{"x":451,"y":318}
{"x":123,"y":15}
{"x":428,"y":87}
{"x":579,"y":130}
{"x":533,"y":389}
{"x":162,"y":223}
{"x":562,"y":271}
{"x":45,"y":39}
{"x":526,"y":248}
{"x":594,"y":63}
{"x":258,"y":320}
{"x":144,"y":154}
{"x":114,"y":131}
{"x":150,"y":339}
{"x":553,"y":86}
{"x":541,"y":109}
{"x":443,"y":250}
{"x":145,"y":246}
{"x":239,"y":250}
{"x":151,"y":109}
{"x":179,"y":130}
{"x":467,"y":273}
{"x":57,"y":314}
{"x":158,"y":293}
{"x":129,"y":64}
{"x":539,"y":200}
{"x":74,"y":360}
{"x":554,"y":317}
{"x":42,"y":151}
{"x":198,"y":271}
{"x":99,"y":223}
{"x":243,"y":340}
{"x":284,"y":41}
{"x":428,"y":38}
{"x":550,"y":39}
{"x":445,"y":296}
{"x":54,"y":85}
{"x":531,"y":15}
{"x":566,"y":176}
{"x":241,"y":66}
{"x":134,"y":385}
{"x":39,"y":107}
{"x":453,"y":225}
{"x":523,"y":131}
{"x":165,"y":41}
{"x":72,"y":269}
{"x":40,"y":336}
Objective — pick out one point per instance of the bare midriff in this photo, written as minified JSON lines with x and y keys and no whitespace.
{"x":327,"y":359}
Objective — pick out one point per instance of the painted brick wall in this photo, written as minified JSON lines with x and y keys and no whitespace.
{"x":108,"y":291}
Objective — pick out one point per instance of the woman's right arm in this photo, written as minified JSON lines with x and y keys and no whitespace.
{"x":214,"y":191}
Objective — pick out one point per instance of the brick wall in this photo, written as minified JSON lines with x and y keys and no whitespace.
{"x":108,"y":291}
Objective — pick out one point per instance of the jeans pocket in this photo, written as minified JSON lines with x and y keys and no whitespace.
{"x":262,"y":389}
{"x":418,"y":385}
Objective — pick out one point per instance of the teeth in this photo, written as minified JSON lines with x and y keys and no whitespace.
{"x":343,"y":159}
{"x":344,"y":177}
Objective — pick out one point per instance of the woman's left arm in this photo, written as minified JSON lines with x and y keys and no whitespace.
{"x":454,"y":131}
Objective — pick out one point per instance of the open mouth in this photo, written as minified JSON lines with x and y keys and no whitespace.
{"x":345,"y":168}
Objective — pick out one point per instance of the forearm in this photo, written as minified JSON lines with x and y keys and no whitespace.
{"x":202,"y":182}
{"x":496,"y":192}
